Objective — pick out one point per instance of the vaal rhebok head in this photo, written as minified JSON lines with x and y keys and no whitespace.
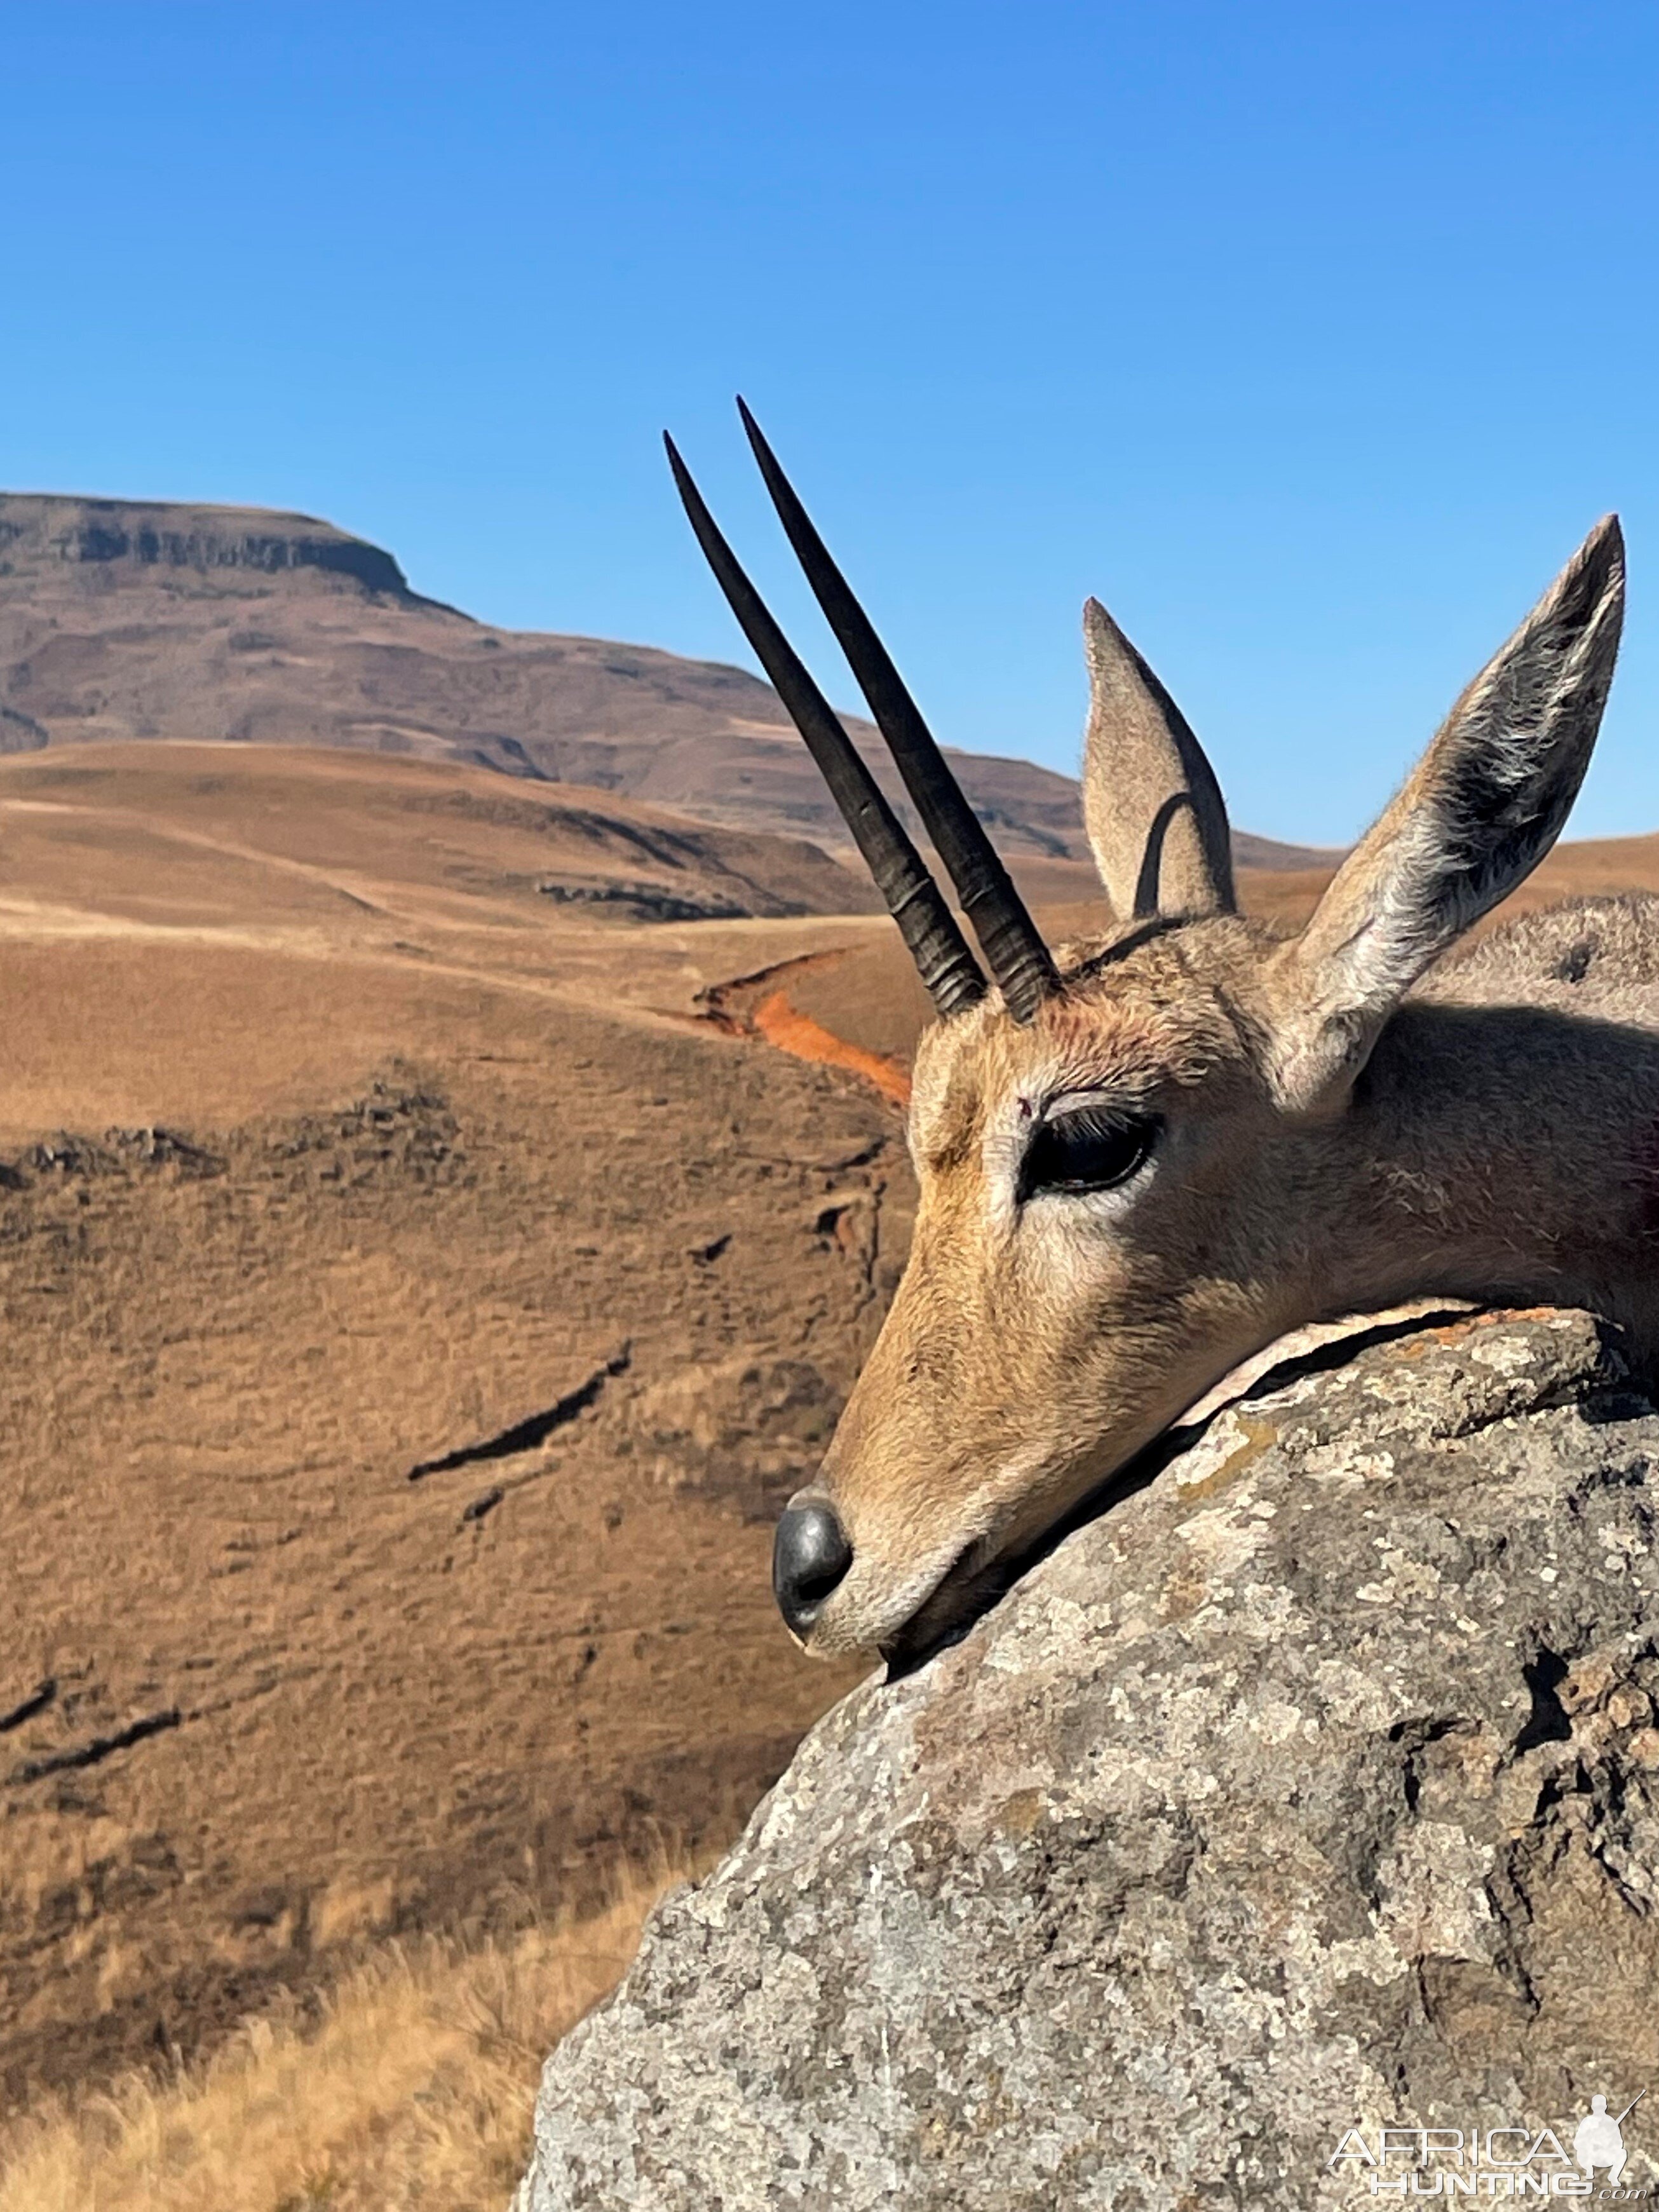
{"x":1144,"y":1157}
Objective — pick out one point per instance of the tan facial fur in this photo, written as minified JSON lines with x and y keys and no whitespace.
{"x":1032,"y":1346}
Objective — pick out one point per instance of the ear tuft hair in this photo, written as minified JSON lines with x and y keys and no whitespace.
{"x":1516,"y":746}
{"x":1482,"y":808}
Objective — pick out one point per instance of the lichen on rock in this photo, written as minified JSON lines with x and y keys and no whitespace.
{"x":1314,"y":1788}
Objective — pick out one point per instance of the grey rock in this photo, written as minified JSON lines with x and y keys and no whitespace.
{"x":1314,"y":1788}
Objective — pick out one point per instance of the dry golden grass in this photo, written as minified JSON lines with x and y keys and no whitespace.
{"x":413,"y":2092}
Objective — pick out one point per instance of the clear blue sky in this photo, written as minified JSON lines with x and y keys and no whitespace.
{"x":1310,"y":337}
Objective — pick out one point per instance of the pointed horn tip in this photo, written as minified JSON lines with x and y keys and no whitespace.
{"x":686,"y":485}
{"x":756,"y":437}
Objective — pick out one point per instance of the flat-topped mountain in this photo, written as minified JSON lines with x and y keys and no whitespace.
{"x":123,"y":619}
{"x":42,"y":533}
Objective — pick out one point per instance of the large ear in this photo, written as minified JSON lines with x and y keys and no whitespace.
{"x":1480,"y":809}
{"x":1151,"y":805}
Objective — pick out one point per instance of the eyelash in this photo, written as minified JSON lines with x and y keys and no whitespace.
{"x":1089,"y":1150}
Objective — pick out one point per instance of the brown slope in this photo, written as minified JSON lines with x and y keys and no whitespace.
{"x":122,"y":620}
{"x":329,"y":1151}
{"x":304,"y":826}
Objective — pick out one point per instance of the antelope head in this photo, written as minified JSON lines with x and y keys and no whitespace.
{"x":1141,"y":1159}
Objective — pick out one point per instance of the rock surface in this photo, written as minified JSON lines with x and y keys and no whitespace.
{"x":1314,"y":1787}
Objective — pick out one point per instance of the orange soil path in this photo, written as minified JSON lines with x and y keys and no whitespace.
{"x":781,"y":1025}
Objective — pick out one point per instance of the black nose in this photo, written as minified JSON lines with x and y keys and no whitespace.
{"x":809,"y":1555}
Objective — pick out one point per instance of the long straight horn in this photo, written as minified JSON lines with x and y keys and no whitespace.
{"x":1015,"y":951}
{"x":914,"y":899}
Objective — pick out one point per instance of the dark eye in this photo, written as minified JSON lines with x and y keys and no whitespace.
{"x":1089,"y":1150}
